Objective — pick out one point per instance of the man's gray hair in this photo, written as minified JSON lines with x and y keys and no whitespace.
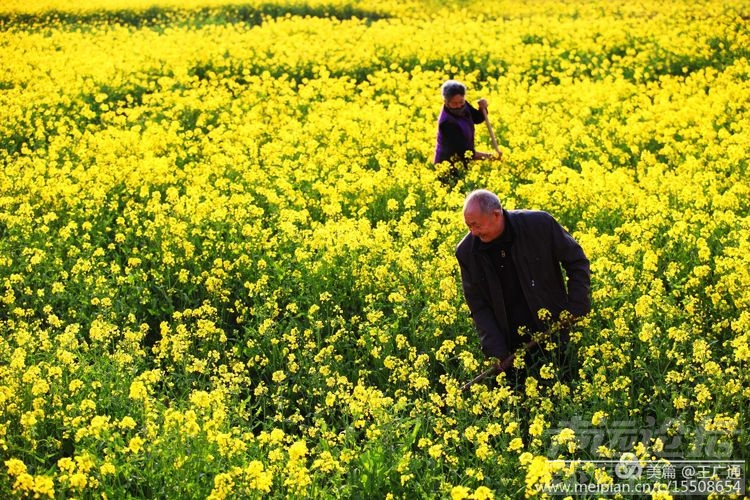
{"x":487,"y":201}
{"x":451,"y":88}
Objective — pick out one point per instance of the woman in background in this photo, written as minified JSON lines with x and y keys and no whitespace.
{"x":455,"y":136}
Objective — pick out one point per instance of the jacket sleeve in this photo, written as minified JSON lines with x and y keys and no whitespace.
{"x":491,"y":340}
{"x":573,"y":259}
{"x":476,"y":115}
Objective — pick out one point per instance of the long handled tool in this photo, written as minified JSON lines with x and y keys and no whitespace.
{"x":492,"y":133}
{"x":502,"y":366}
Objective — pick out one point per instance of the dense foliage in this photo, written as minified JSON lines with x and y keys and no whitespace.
{"x":226,"y":259}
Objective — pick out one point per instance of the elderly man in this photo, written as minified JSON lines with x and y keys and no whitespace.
{"x":511,"y":264}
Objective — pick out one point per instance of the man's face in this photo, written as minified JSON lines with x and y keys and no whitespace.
{"x":485,"y":226}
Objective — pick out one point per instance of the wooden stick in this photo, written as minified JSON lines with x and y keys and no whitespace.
{"x":496,"y":369}
{"x":506,"y":363}
{"x":492,"y":133}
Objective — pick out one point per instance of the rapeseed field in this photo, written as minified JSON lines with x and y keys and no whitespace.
{"x":226,"y":258}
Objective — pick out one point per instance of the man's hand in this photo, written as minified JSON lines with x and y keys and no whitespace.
{"x":567,"y":319}
{"x":497,"y":363}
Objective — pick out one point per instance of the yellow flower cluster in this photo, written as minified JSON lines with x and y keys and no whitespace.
{"x":226,"y":259}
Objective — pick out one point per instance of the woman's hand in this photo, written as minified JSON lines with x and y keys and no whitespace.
{"x":479,"y":155}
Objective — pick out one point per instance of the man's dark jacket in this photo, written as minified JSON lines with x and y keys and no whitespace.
{"x":540,"y":247}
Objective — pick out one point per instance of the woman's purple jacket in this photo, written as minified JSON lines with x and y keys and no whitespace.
{"x":455,"y":134}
